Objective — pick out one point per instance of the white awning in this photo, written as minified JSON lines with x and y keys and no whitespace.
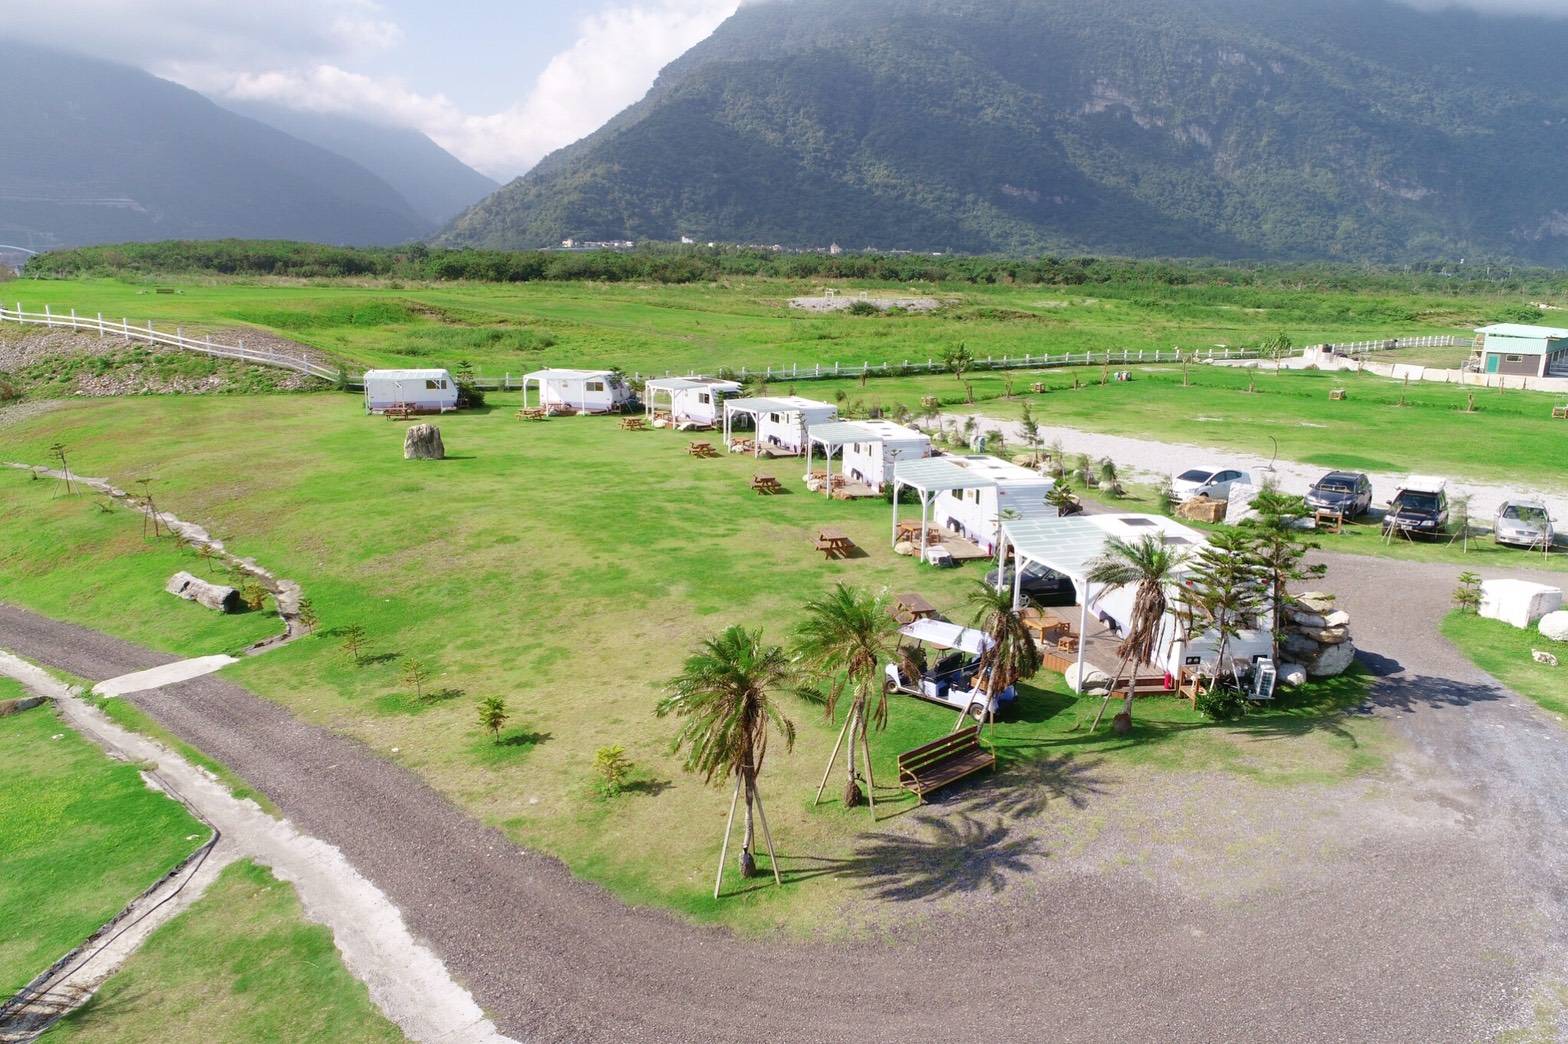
{"x":842,"y":432}
{"x":947,"y":636}
{"x":1070,"y":545}
{"x":934,"y":474}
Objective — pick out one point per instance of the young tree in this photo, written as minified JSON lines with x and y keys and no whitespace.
{"x":1011,"y":655}
{"x":355,"y":642}
{"x":1030,"y":430}
{"x":1459,"y":513}
{"x":614,"y":769}
{"x":1061,"y":497}
{"x":958,"y":360}
{"x":1467,"y":596}
{"x":1226,"y":593}
{"x":1275,"y":348}
{"x":931,"y":407}
{"x":1280,"y":550}
{"x":307,"y":614}
{"x":843,"y":642}
{"x":1149,"y":567}
{"x":493,"y":716}
{"x":1110,"y":483}
{"x":416,"y":673}
{"x":724,"y":697}
{"x":253,"y":595}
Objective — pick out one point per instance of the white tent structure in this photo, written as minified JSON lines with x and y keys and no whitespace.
{"x":780,"y":423}
{"x":868,"y":450}
{"x":928,"y":478}
{"x":972,"y":495}
{"x":1071,"y":546}
{"x":586,"y":391}
{"x":692,"y":400}
{"x":423,"y":391}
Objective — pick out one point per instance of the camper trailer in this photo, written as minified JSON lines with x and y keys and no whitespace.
{"x":780,"y":422}
{"x":871,"y":462}
{"x":417,"y":391}
{"x":975,"y":513}
{"x":579,"y":391}
{"x":689,"y":401}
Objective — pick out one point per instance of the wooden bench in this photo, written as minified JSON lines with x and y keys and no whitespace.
{"x":944,"y":761}
{"x":1560,"y":412}
{"x":632,"y":424}
{"x":701,"y":449}
{"x":1336,"y":394}
{"x":834,"y":544}
{"x":1327,"y":520}
{"x":400,"y":411}
{"x":766,"y":484}
{"x":532,"y":413}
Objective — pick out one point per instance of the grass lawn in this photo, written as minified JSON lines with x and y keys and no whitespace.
{"x":242,"y":964}
{"x":83,"y":837}
{"x":742,"y":322}
{"x":1503,"y":651}
{"x":568,"y":567}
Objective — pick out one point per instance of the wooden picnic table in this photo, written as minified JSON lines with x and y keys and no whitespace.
{"x":910,"y":531}
{"x":633,"y":423}
{"x":766,"y":484}
{"x":531,"y":413}
{"x":701,"y":449}
{"x":1328,"y":520}
{"x":915,"y":605}
{"x":833,"y":543}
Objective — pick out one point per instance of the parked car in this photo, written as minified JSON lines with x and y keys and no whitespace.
{"x":1419,"y":507}
{"x":952,"y":655}
{"x":1348,"y":493}
{"x":1209,"y":483}
{"x":1523,"y":523}
{"x":1040,"y":585}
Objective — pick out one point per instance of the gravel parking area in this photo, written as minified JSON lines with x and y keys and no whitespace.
{"x":1424,"y":902}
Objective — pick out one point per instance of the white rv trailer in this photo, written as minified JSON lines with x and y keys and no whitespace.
{"x":867,"y":450}
{"x":975,"y":512}
{"x":422,"y":391}
{"x":586,"y":391}
{"x":1071,"y":546}
{"x":781,"y":422}
{"x":692,"y":400}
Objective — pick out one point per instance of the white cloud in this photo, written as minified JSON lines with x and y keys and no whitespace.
{"x":616,"y":56}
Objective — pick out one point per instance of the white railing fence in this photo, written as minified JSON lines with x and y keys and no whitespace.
{"x":146,"y":333}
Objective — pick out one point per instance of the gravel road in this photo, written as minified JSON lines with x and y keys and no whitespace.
{"x":1424,"y":904}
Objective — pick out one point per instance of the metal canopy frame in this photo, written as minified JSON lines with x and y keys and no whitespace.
{"x":754,"y":407}
{"x":929,"y":476}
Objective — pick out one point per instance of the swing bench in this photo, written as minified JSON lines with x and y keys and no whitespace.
{"x":940,"y":762}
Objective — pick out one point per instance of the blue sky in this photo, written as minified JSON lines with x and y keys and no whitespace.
{"x":499,"y":84}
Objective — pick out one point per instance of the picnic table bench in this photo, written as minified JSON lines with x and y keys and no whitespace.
{"x":399,"y":411}
{"x":531,"y":413}
{"x":633,"y":424}
{"x":701,"y":449}
{"x":742,"y":445}
{"x":1336,"y":394}
{"x":766,"y":484}
{"x":940,"y":762}
{"x":833,"y":543}
{"x":1560,"y":412}
{"x":915,"y":605}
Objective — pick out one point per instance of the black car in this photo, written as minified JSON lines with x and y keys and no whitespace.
{"x":1418,"y":511}
{"x":1347,"y":492}
{"x":1040,"y":585}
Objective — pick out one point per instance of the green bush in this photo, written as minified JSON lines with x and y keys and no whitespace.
{"x":1223,"y":703}
{"x":862,"y":307}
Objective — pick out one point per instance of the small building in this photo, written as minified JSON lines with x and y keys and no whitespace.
{"x":868,"y":450}
{"x":970,"y":496}
{"x":691,"y":400}
{"x":421,"y":391}
{"x":1072,"y":546}
{"x":781,"y":423}
{"x":583,"y":391}
{"x":1522,"y":351}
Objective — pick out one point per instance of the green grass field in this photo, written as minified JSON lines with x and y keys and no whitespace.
{"x":653,"y":328}
{"x":242,"y":964}
{"x":567,"y":567}
{"x":1503,"y":651}
{"x":83,"y":836}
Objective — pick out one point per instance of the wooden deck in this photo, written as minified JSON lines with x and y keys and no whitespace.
{"x":1100,"y":653}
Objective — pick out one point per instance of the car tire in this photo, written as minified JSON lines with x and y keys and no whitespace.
{"x":977,"y":712}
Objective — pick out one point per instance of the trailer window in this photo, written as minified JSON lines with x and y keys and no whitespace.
{"x":1514,"y":358}
{"x":704,"y":398}
{"x":596,"y":386}
{"x":435,"y":385}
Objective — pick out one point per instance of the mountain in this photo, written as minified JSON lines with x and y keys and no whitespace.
{"x":1288,"y":129}
{"x":100,"y":153}
{"x":437,"y":184}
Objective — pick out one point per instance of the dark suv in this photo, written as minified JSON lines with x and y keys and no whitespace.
{"x":1348,"y":493}
{"x":1418,"y":510}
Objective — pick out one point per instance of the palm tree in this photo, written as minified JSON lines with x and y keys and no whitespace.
{"x":1148,"y":566}
{"x":845,"y":639}
{"x":724,"y":696}
{"x":1010,"y":655}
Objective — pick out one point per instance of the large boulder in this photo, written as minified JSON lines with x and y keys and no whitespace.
{"x":1298,"y":646}
{"x":1554,"y":625}
{"x":1304,"y":618}
{"x":1094,"y":679}
{"x":1320,"y":602}
{"x":1291,"y":675}
{"x":1332,"y":660}
{"x":1327,"y":635}
{"x":905,"y":547}
{"x":213,"y":596}
{"x":1338,"y":618}
{"x":423,"y":442}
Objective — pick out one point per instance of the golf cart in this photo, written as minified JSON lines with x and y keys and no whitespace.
{"x":949,"y":655}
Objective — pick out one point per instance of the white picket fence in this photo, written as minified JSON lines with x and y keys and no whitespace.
{"x":148,"y":334}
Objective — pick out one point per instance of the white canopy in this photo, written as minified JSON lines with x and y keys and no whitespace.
{"x":947,"y":635}
{"x":935,"y":474}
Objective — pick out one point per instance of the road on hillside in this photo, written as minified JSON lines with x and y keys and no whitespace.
{"x":1430,"y":916}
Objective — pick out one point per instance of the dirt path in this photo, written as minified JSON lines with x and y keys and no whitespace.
{"x":1151,"y":459}
{"x":407,"y":981}
{"x":1426,"y":903}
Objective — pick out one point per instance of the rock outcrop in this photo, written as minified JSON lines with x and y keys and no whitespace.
{"x":1554,"y":625}
{"x":1315,"y":638}
{"x":213,"y":596}
{"x":423,"y":442}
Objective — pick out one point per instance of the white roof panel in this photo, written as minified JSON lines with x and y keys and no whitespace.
{"x":405,"y":375}
{"x":688,"y":383}
{"x":933,"y":474}
{"x":1521,"y":330}
{"x":947,"y":635}
{"x":564,"y":375}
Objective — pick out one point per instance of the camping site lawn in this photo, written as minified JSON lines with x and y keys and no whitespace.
{"x":235,"y":966}
{"x":83,"y":837}
{"x":566,"y":566}
{"x":1503,"y":651}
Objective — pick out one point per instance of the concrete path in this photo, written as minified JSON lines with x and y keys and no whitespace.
{"x":1151,"y":459}
{"x":407,"y":981}
{"x":1427,"y":903}
{"x":167,"y":674}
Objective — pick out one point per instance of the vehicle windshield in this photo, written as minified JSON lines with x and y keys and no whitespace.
{"x":1530,"y":513}
{"x":1195,"y":476}
{"x":1336,"y":485}
{"x":1412,"y":500}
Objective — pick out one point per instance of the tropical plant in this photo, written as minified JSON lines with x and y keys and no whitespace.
{"x":493,"y":716}
{"x":614,"y":769}
{"x":1010,"y":655}
{"x":414,"y":673}
{"x":1109,"y":483}
{"x":1279,"y":550}
{"x":958,"y":360}
{"x":1061,"y":497}
{"x":1226,"y":593}
{"x":841,"y":644}
{"x":306,"y":614}
{"x":355,"y":642}
{"x":1467,"y":596}
{"x":1149,"y":567}
{"x":725,"y":698}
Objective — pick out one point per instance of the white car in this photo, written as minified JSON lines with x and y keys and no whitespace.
{"x":1208,"y":483}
